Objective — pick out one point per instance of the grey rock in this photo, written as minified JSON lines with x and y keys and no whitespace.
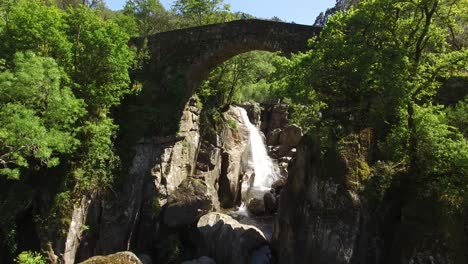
{"x":319,"y":214}
{"x":278,"y":185}
{"x":226,"y":240}
{"x":159,"y":166}
{"x":256,"y":206}
{"x":274,"y":137}
{"x":234,"y":145}
{"x":253,"y":112}
{"x":278,"y":116}
{"x":188,"y":203}
{"x":208,"y":168}
{"x":291,"y":136}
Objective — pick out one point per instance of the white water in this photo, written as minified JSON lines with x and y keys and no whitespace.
{"x":266,"y":172}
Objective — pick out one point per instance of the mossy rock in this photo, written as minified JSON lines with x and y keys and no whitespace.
{"x":125,"y":257}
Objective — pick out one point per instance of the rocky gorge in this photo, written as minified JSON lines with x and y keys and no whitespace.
{"x":317,"y":211}
{"x":182,"y":195}
{"x":191,"y":198}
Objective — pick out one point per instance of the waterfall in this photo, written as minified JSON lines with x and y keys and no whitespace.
{"x":265,"y":171}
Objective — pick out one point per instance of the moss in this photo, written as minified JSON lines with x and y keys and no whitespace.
{"x":232,"y":124}
{"x":59,"y":215}
{"x":354,"y":154}
{"x":156,"y":205}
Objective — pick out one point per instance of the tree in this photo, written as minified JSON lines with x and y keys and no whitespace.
{"x":101,"y":59}
{"x":37,"y":114}
{"x":379,"y":65}
{"x":150,"y":16}
{"x":202,"y":12}
{"x":32,"y":25}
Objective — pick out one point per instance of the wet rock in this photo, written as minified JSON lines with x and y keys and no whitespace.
{"x":253,"y":112}
{"x":274,"y":137}
{"x":201,"y":260}
{"x":283,"y":150}
{"x":226,"y":240}
{"x":291,"y":136}
{"x":188,"y":203}
{"x":278,"y":185}
{"x":125,"y":257}
{"x":270,"y":202}
{"x":256,"y":206}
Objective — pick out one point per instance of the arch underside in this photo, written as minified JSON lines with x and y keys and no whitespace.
{"x":201,"y":68}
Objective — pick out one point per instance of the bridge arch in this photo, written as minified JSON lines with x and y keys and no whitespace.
{"x":192,"y":53}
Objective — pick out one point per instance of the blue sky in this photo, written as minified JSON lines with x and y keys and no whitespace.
{"x":299,"y":11}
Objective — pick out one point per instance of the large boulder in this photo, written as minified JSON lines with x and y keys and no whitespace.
{"x":235,"y":139}
{"x":226,"y":240}
{"x":291,"y":136}
{"x":125,"y":257}
{"x":256,"y":206}
{"x":188,"y":203}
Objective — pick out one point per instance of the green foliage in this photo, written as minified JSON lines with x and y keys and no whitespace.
{"x":442,"y":149}
{"x":441,"y":153}
{"x":201,"y":12}
{"x":29,"y":257}
{"x":101,"y":59}
{"x":383,"y":174}
{"x":150,"y":16}
{"x":376,"y":66}
{"x":98,"y":160}
{"x":291,"y":84}
{"x":37,"y":114}
{"x":58,"y":217}
{"x":457,"y":116}
{"x":244,"y":78}
{"x":32,"y":25}
{"x":232,"y":124}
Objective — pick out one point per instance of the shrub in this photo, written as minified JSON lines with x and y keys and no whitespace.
{"x":30,"y":257}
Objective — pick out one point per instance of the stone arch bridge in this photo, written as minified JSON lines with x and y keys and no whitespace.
{"x":185,"y":57}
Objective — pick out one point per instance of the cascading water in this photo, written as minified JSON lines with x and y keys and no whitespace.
{"x":265,"y":171}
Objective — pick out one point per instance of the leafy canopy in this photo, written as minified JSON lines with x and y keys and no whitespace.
{"x":37,"y":114}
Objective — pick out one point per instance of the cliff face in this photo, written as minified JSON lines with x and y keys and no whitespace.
{"x":324,"y":224}
{"x":336,"y":217}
